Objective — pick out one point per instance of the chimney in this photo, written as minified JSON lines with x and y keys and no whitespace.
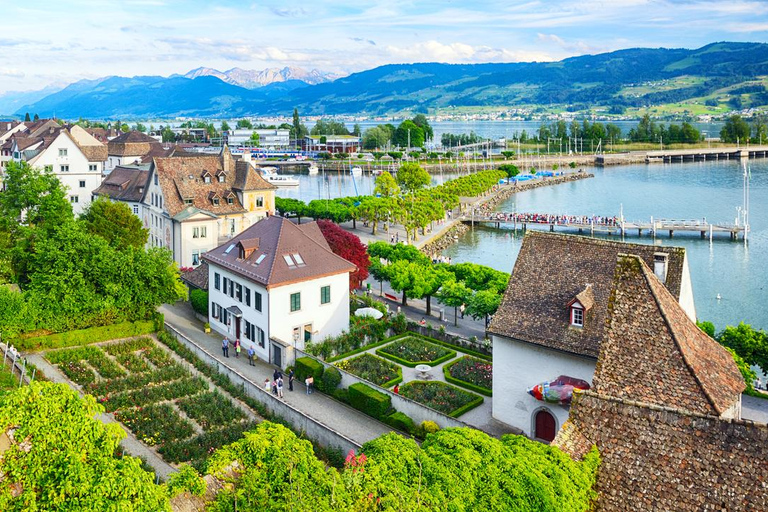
{"x":660,"y":266}
{"x":8,"y":126}
{"x":246,"y":156}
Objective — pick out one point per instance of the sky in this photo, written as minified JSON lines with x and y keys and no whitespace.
{"x":44,"y":42}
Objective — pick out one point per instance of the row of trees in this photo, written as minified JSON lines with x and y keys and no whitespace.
{"x":647,"y":130}
{"x":411,"y":133}
{"x":408,"y":270}
{"x":74,"y":272}
{"x":738,"y":130}
{"x":62,"y":458}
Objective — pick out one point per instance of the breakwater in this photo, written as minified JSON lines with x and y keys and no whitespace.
{"x":491,"y":202}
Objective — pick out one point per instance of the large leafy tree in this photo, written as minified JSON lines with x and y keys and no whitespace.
{"x":33,"y":196}
{"x":421,"y":121}
{"x":409,"y":132}
{"x":749,"y":343}
{"x":454,"y":294}
{"x":735,"y":129}
{"x":349,"y":247}
{"x":386,"y":185}
{"x":115,"y":222}
{"x":63,"y":458}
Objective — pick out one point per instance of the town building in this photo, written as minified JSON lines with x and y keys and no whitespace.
{"x":11,"y":129}
{"x":664,"y":409}
{"x":74,"y":156}
{"x":331,"y":143}
{"x":277,"y":285}
{"x":131,"y":148}
{"x":126,"y":184}
{"x":551,"y":320}
{"x":269,"y":138}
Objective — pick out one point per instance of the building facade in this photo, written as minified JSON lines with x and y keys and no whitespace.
{"x":277,"y":286}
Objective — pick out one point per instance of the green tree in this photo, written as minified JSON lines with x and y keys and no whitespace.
{"x":287,"y":207}
{"x":329,"y":127}
{"x":411,"y":177}
{"x":511,"y":170}
{"x":386,"y":185}
{"x":244,"y":124}
{"x":115,"y":222}
{"x":376,"y":137}
{"x":36,"y":118}
{"x":167,"y":134}
{"x":735,"y":129}
{"x":69,"y":462}
{"x":483,"y":304}
{"x":421,"y":121}
{"x":749,"y":343}
{"x":255,"y":139}
{"x":27,"y":119}
{"x":33,"y":197}
{"x":407,"y":132}
{"x":140,"y":128}
{"x":454,"y":294}
{"x":225,"y":126}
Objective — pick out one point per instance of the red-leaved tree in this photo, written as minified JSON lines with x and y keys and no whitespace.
{"x":349,"y":247}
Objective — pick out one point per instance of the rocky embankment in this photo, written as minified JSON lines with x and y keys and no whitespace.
{"x":436,"y":246}
{"x":506,"y":192}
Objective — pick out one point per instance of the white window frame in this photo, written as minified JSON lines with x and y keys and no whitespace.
{"x":577,"y":315}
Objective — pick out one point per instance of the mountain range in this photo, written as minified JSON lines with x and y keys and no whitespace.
{"x":252,"y":79}
{"x":720,"y":75}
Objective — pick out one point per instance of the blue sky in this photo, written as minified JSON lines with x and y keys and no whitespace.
{"x":46,"y":41}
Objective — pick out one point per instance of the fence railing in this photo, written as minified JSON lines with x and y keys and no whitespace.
{"x":314,"y":429}
{"x":17,"y":364}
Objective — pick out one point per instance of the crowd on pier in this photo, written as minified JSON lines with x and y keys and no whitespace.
{"x":546,"y":218}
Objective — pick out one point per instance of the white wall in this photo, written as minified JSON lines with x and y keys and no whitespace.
{"x":155,"y":219}
{"x":326,"y":319}
{"x":79,"y":173}
{"x":686,"y":291}
{"x":188,"y":244}
{"x":518,"y":366}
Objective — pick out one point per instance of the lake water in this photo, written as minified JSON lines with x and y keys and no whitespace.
{"x":680,"y":191}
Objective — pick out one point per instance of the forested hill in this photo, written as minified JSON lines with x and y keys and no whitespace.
{"x":719,"y":75}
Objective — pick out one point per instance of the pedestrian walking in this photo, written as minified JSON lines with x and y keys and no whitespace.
{"x":309,"y":383}
{"x":291,"y":376}
{"x":396,"y":389}
{"x":280,"y":387}
{"x":461,"y":309}
{"x":267,"y":385}
{"x":225,"y":347}
{"x":274,"y":388}
{"x":237,"y":348}
{"x":251,"y":353}
{"x":277,"y":374}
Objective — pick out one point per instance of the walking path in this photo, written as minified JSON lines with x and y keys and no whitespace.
{"x":350,"y":422}
{"x":754,"y":408}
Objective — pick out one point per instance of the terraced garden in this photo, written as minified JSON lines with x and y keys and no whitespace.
{"x":373,"y":369}
{"x":155,"y":397}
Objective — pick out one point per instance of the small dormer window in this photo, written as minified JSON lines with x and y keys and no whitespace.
{"x":577,"y":315}
{"x":221,"y":178}
{"x":230,"y":200}
{"x":660,"y":266}
{"x":207,"y":178}
{"x":187,"y":201}
{"x":215,"y":201}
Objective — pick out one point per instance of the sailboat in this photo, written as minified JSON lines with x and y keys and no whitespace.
{"x":313,"y":169}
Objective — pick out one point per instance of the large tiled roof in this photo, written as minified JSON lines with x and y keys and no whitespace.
{"x":247,"y":179}
{"x":132,"y":137}
{"x":94,"y":153}
{"x":654,"y":353}
{"x":550,"y":271}
{"x":124,"y":184}
{"x":279,"y":238}
{"x":133,"y":143}
{"x":198,"y":277}
{"x":660,"y":459}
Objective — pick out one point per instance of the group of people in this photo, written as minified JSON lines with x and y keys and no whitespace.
{"x":251,"y":352}
{"x":275,"y":385}
{"x":438,"y":258}
{"x":545,"y":218}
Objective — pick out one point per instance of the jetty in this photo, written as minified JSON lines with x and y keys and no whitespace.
{"x":608,"y":225}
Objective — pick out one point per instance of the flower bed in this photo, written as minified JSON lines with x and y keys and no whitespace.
{"x":210,"y":410}
{"x":155,"y":424}
{"x":71,"y":363}
{"x":128,"y":346}
{"x":200,"y":447}
{"x":136,"y":381}
{"x":168,"y":391}
{"x":133,"y":363}
{"x":471,"y":373}
{"x":159,"y":357}
{"x":78,"y":372}
{"x":441,"y":397}
{"x":373,"y":369}
{"x":412,"y":350}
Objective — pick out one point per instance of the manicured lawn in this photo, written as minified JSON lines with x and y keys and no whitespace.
{"x":441,"y":397}
{"x":147,"y":390}
{"x":412,"y":350}
{"x":372,"y":368}
{"x":472,"y":371}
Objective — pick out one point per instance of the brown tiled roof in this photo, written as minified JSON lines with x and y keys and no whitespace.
{"x":197,"y":278}
{"x":586,"y":298}
{"x":312,"y":230}
{"x":41,"y":128}
{"x":132,"y":137}
{"x":94,"y":153}
{"x":124,"y":184}
{"x":247,"y":179}
{"x":653,"y":353}
{"x":550,"y":271}
{"x":661,"y":459}
{"x":278,"y":238}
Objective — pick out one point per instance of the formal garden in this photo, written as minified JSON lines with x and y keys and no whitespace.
{"x":441,"y":397}
{"x":412,"y":350}
{"x":374,"y":369}
{"x":155,"y":397}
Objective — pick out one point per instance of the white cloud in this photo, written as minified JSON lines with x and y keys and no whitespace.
{"x":11,"y":73}
{"x":434,"y":51}
{"x":575,"y":47}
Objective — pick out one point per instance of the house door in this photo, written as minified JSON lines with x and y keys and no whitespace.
{"x":238,"y":320}
{"x":277,"y":355}
{"x":545,"y":426}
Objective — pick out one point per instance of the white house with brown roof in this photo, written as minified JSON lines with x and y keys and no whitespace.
{"x":74,"y":156}
{"x":552,"y":319}
{"x":278,"y":285}
{"x":130,"y":148}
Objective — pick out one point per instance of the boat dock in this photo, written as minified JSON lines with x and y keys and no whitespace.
{"x":609,"y":225}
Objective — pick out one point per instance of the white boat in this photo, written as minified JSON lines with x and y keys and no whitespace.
{"x":356,"y":171}
{"x":279,"y":180}
{"x":313,"y":169}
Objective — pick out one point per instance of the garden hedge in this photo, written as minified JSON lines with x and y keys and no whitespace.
{"x":330,"y":380}
{"x":366,"y":399}
{"x":400,"y":421}
{"x":87,"y":336}
{"x":306,"y":366}
{"x":464,"y":384}
{"x":199,"y":301}
{"x":412,"y":364}
{"x":471,"y":405}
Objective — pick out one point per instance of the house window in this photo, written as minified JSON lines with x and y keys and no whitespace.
{"x":62,"y":152}
{"x":239,"y":292}
{"x":155,"y":179}
{"x":226,"y":284}
{"x":215,"y":201}
{"x":195,"y":232}
{"x":195,"y":258}
{"x":295,"y":301}
{"x":214,"y":310}
{"x":203,"y":232}
{"x":74,"y":199}
{"x":232,"y":226}
{"x":225,"y":316}
{"x":249,"y":331}
{"x":82,"y":183}
{"x":260,"y":202}
{"x":135,"y":209}
{"x":207,"y":179}
{"x":247,"y":296}
{"x":325,"y":295}
{"x":260,"y":335}
{"x":187,"y":201}
{"x":216,"y":281}
{"x":230,"y":200}
{"x":577,"y":317}
{"x":64,"y":168}
{"x":256,"y":301}
{"x":93,"y":167}
{"x":221,"y":178}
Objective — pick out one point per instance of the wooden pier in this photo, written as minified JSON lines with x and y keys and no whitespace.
{"x":610,"y":225}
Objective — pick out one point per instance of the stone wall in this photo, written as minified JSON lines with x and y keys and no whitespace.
{"x":442,"y":242}
{"x":658,"y":458}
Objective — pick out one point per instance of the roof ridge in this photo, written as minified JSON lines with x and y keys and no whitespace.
{"x":646,"y":272}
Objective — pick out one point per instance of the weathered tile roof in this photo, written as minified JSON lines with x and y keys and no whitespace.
{"x":133,"y":143}
{"x":197,"y":278}
{"x":280,"y":239}
{"x":550,"y":271}
{"x":124,"y":184}
{"x":661,"y":459}
{"x":654,"y":353}
{"x":134,"y":136}
{"x":247,"y":179}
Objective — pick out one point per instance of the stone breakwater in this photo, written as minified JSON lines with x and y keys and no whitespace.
{"x":490,"y":204}
{"x":437,"y":245}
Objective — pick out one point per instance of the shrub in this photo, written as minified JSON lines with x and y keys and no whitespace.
{"x":186,"y":479}
{"x":399,"y":323}
{"x":429,"y":427}
{"x":306,"y":366}
{"x":199,"y":301}
{"x":400,"y":421}
{"x":366,"y":399}
{"x":572,"y":165}
{"x":330,"y":380}
{"x":374,"y":369}
{"x":86,"y":336}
